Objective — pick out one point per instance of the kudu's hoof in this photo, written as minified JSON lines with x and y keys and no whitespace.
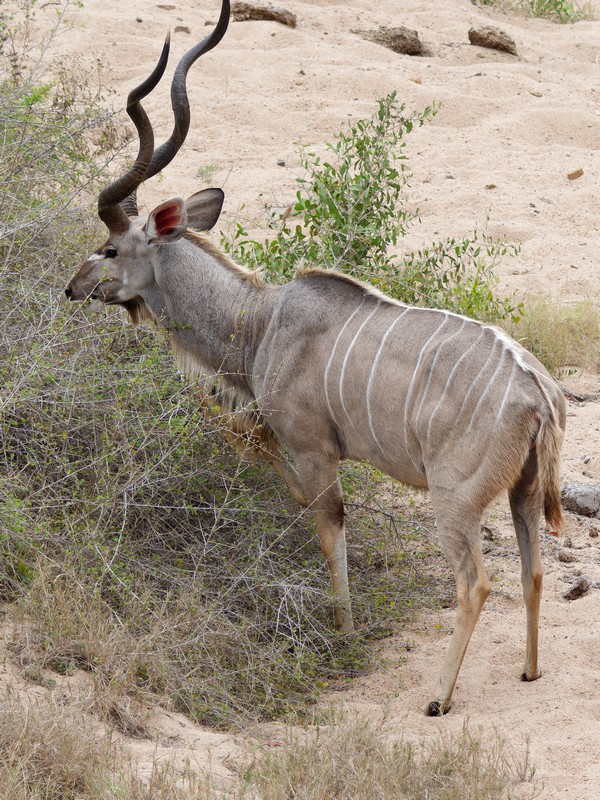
{"x":528,"y":679}
{"x":437,"y":709}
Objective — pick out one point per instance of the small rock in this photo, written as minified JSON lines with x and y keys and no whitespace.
{"x":241,"y":12}
{"x":494,"y":38}
{"x":566,"y":558}
{"x":400,"y":40}
{"x":582,"y":498}
{"x":577,"y":173}
{"x":280,"y":162}
{"x":536,"y":94}
{"x":166,"y":7}
{"x":139,"y":19}
{"x":580,"y":587}
{"x":182,"y":29}
{"x":593,"y":533}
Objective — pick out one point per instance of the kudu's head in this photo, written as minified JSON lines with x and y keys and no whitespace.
{"x":124,"y":266}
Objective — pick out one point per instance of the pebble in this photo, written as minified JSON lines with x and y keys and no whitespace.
{"x":577,"y":589}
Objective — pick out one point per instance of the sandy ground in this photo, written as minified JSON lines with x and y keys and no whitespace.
{"x":518,"y":123}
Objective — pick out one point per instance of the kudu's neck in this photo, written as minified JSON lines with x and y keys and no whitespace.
{"x":214,"y":312}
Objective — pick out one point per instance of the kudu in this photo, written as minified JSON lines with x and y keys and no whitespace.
{"x":332,"y":370}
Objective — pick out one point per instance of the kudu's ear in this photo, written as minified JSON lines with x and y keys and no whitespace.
{"x":167,"y":223}
{"x":204,"y":208}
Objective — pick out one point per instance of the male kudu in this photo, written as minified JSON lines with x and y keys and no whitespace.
{"x":333,"y":369}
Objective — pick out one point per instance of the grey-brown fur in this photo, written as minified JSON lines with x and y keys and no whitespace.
{"x":331,"y":369}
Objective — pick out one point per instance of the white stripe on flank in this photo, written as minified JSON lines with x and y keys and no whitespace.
{"x":518,"y":351}
{"x":479,"y":374}
{"x":508,"y":343}
{"x":328,"y":367}
{"x":449,"y":381}
{"x":372,"y":374}
{"x":412,"y":380}
{"x":347,"y":356}
{"x":487,"y":389}
{"x":504,"y":399}
{"x":432,"y":368}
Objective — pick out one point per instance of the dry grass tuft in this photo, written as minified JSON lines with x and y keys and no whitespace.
{"x":562,"y":336}
{"x":358,"y":760}
{"x":52,"y":751}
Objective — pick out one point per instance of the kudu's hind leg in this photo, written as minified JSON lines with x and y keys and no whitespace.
{"x":526,"y":505}
{"x":460,"y":539}
{"x":323,"y":491}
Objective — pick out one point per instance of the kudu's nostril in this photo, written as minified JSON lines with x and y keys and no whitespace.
{"x":68,"y":292}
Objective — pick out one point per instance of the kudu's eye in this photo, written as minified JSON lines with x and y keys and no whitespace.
{"x":110,"y":252}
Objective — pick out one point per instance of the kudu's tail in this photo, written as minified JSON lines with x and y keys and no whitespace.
{"x":549,"y":441}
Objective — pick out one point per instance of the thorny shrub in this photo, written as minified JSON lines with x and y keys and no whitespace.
{"x":136,"y":543}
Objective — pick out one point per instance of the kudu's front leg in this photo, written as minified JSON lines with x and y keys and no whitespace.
{"x":323,"y":491}
{"x":288,"y":473}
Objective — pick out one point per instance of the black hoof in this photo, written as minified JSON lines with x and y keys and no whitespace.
{"x":525,"y":678}
{"x":437,"y":709}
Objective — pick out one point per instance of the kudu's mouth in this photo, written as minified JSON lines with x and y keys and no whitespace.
{"x":71,"y":295}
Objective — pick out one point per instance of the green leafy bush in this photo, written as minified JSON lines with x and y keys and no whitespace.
{"x":564,"y":11}
{"x":350,"y":212}
{"x":457,"y":275}
{"x":561,"y":10}
{"x":346,"y":212}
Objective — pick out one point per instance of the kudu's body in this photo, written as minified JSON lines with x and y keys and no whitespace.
{"x":335,"y":370}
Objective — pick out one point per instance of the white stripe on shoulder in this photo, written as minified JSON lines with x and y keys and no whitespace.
{"x":329,"y":363}
{"x":347,"y":356}
{"x":372,"y":375}
{"x":411,"y":385}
